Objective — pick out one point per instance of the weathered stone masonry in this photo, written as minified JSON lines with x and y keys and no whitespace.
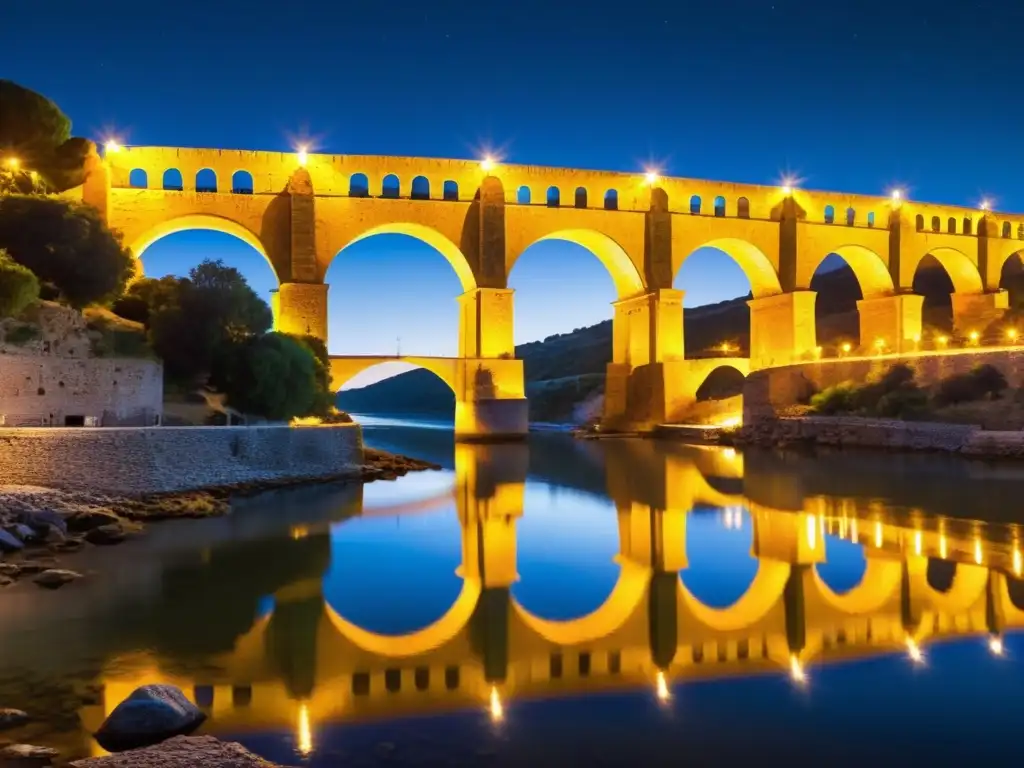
{"x":134,"y":461}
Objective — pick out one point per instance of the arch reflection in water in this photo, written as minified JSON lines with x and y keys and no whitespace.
{"x":303,"y":664}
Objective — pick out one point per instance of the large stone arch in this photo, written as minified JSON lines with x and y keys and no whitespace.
{"x":760,"y":272}
{"x":345,"y":368}
{"x":426,"y":234}
{"x":880,"y":580}
{"x":625,"y":597}
{"x":431,"y":637}
{"x":624,"y":273}
{"x":961,"y":268}
{"x":200,"y":221}
{"x":762,"y":595}
{"x":870,"y":269}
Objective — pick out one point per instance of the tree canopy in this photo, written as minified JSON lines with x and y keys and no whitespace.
{"x":67,"y":246}
{"x":37,"y":133}
{"x":19,"y":287}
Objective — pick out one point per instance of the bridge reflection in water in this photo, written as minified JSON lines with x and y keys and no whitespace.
{"x":303,"y":664}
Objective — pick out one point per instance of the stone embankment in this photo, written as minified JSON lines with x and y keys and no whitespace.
{"x":885,"y":434}
{"x":38,"y":524}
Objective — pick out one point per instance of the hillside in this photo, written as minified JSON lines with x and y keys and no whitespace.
{"x":565,"y":371}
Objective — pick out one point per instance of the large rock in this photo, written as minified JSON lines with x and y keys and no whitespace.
{"x":182,"y":752}
{"x":87,"y":519}
{"x":153,"y":713}
{"x":9,"y":542}
{"x":26,"y":756}
{"x":55,"y":578}
{"x":42,"y":520}
{"x":11,"y":718}
{"x":112,"y":533}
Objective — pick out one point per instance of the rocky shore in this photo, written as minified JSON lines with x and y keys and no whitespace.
{"x":37,"y":524}
{"x":881,"y":434}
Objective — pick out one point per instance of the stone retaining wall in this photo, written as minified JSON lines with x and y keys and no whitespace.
{"x":853,"y":432}
{"x":149,"y":460}
{"x":768,"y":392}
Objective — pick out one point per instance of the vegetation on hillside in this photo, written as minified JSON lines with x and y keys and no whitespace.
{"x":19,"y":287}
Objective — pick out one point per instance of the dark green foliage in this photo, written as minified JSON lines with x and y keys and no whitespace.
{"x":894,"y":396}
{"x":984,"y":381}
{"x":22,"y":333}
{"x":906,"y":402}
{"x":323,"y":402}
{"x":38,"y":133}
{"x":19,"y":287}
{"x":838,"y":399}
{"x":67,"y":246}
{"x":273,"y":376}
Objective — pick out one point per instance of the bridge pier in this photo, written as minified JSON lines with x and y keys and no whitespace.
{"x":974,"y":312}
{"x":895,"y":321}
{"x":782,"y":328}
{"x":301,"y":309}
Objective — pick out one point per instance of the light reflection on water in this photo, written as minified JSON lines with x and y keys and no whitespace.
{"x":519,"y":579}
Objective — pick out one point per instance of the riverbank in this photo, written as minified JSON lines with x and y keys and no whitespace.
{"x":881,"y":434}
{"x":38,"y":524}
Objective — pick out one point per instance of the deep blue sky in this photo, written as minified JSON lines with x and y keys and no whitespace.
{"x":855,"y":96}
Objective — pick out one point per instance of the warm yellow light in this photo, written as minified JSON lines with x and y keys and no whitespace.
{"x":1011,"y":334}
{"x":943,"y":340}
{"x":111,"y":147}
{"x":664,"y":694}
{"x":496,"y":708}
{"x":787,"y":190}
{"x":303,"y":155}
{"x":299,"y":532}
{"x":1018,"y":562}
{"x":880,"y":345}
{"x":917,"y":542}
{"x":730,"y":421}
{"x":847,"y":347}
{"x":304,"y":734}
{"x":896,"y":195}
{"x":729,"y":453}
{"x":986,"y":204}
{"x":917,"y":338}
{"x":973,"y":335}
{"x":487,"y":164}
{"x":914,"y":651}
{"x":13,"y":163}
{"x":878,"y":534}
{"x":854,"y":536}
{"x":978,"y":554}
{"x":817,"y":351}
{"x":796,"y":670}
{"x":725,"y":346}
{"x":812,"y":532}
{"x":34,"y":175}
{"x":995,"y":644}
{"x":943,"y":547}
{"x":652,"y":177}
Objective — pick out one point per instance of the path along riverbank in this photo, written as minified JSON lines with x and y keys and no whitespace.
{"x":39,"y":524}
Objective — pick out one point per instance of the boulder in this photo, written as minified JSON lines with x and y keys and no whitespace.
{"x":43,"y":520}
{"x":151,"y":714}
{"x":87,"y":519}
{"x":26,"y":756}
{"x":9,"y":542}
{"x":181,"y":752}
{"x":11,"y":718}
{"x":23,"y":532}
{"x":112,"y":533}
{"x":55,"y":578}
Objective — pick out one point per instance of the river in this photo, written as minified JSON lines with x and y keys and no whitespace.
{"x":561,"y":602}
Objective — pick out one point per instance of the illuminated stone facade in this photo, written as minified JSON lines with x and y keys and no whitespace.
{"x":301,"y":211}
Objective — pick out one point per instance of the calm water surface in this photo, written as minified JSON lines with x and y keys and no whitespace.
{"x":562,"y":602}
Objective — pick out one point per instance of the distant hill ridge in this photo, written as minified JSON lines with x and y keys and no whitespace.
{"x":567,"y":369}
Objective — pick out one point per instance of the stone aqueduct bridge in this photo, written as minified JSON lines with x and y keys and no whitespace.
{"x":302,"y":211}
{"x":305,"y":663}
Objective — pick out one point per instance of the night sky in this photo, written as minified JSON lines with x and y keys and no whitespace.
{"x":849,"y":96}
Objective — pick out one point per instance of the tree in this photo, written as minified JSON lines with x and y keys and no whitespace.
{"x":324,"y":397}
{"x":67,"y":246}
{"x":35,"y":131}
{"x":18,"y":286}
{"x":273,"y":376}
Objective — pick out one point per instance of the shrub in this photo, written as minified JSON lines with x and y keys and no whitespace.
{"x":22,"y":333}
{"x":838,"y":399}
{"x":983,"y":381}
{"x":19,"y":286}
{"x":907,"y":402}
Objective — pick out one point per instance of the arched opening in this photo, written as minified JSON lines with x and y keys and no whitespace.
{"x":241,"y":183}
{"x":523,"y":195}
{"x":718,"y":279}
{"x":743,"y":208}
{"x":137,"y":178}
{"x":695,"y":204}
{"x":968,"y":225}
{"x":1015,"y":591}
{"x":404,"y":277}
{"x":372,"y":588}
{"x":562,"y":385}
{"x":420,"y":188}
{"x":723,"y":383}
{"x":840,"y":280}
{"x":830,"y":214}
{"x":937,"y":276}
{"x":851,"y":217}
{"x":206,"y":180}
{"x":581,"y":197}
{"x":936,"y":224}
{"x":720,"y":567}
{"x":845,"y":564}
{"x":554,"y":197}
{"x":1007,"y":229}
{"x":940,"y":574}
{"x":561,"y":583}
{"x":919,"y":222}
{"x":358,"y":185}
{"x":1011,"y":279}
{"x":172,"y":180}
{"x":451,"y":190}
{"x":390,"y":187}
{"x":951,"y":225}
{"x":719,"y":206}
{"x":871,"y":218}
{"x":374,"y":392}
{"x":611,"y":200}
